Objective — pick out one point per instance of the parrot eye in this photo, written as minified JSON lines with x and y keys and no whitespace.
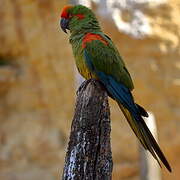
{"x":70,"y":16}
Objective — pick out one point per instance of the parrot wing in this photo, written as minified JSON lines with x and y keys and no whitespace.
{"x":103,"y":59}
{"x":106,"y":58}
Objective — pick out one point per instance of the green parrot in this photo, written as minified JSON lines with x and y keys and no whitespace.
{"x":97,"y":57}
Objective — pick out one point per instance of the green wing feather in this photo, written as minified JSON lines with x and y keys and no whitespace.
{"x":106,"y":59}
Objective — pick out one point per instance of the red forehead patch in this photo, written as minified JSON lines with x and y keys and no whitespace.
{"x":64,"y":13}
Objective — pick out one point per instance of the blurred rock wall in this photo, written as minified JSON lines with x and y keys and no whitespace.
{"x":37,"y":88}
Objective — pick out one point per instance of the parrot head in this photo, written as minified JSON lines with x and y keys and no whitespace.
{"x":78,"y":18}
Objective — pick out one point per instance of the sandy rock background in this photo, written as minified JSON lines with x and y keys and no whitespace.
{"x":37,"y":89}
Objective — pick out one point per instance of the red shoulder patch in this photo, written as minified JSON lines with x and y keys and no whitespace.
{"x":91,"y":37}
{"x":80,"y":16}
{"x":64,"y":13}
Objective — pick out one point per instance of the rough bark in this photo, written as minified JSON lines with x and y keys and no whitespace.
{"x":89,"y":154}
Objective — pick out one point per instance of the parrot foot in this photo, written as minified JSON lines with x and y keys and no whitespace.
{"x":83,"y":86}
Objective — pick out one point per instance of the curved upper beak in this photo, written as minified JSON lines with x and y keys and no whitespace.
{"x":64,"y":23}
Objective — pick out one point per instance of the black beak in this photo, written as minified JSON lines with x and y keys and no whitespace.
{"x":64,"y":23}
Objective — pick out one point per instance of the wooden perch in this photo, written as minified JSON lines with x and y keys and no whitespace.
{"x":89,"y":154}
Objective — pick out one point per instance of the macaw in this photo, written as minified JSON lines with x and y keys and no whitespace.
{"x":97,"y":57}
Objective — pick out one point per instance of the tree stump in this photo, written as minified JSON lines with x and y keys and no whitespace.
{"x":89,"y":154}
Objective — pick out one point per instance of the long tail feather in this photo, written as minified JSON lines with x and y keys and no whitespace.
{"x":133,"y":113}
{"x":145,"y":137}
